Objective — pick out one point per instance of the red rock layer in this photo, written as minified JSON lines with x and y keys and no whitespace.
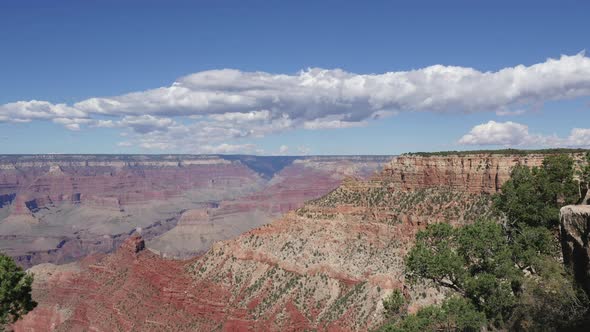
{"x":476,"y":173}
{"x":288,"y":190}
{"x":112,"y":187}
{"x":49,"y":198}
{"x":326,"y":267}
{"x":294,"y":185}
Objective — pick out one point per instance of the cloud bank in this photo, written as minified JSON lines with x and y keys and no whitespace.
{"x":216,"y":106}
{"x":516,"y":134}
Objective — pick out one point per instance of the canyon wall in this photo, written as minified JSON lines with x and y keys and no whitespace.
{"x":37,"y":182}
{"x":476,"y":173}
{"x":324,"y":266}
{"x":288,"y":189}
{"x":57,"y":208}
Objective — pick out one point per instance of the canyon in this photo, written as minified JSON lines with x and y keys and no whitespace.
{"x":60,"y":208}
{"x":323,"y":265}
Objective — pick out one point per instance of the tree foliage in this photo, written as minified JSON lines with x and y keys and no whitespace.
{"x":586,"y":170}
{"x":455,"y":314}
{"x":507,"y":152}
{"x":505,"y":273}
{"x":15,"y":291}
{"x":549,"y":300}
{"x":393,"y":303}
{"x":534,"y":196}
{"x":474,"y":260}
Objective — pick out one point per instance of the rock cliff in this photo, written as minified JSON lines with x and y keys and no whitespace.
{"x":477,"y":173}
{"x":575,"y":238}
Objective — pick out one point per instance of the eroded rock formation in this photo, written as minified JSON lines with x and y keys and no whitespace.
{"x":575,"y":239}
{"x":477,"y":173}
{"x":57,"y":208}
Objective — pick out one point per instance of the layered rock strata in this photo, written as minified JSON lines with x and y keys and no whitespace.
{"x":325,"y":266}
{"x":57,"y":208}
{"x":477,"y":173}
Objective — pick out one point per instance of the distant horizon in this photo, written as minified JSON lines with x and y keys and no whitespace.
{"x":478,"y":151}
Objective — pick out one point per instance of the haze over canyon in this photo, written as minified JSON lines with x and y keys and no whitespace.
{"x":57,"y":208}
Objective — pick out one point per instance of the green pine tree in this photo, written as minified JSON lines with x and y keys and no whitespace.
{"x":15,"y":292}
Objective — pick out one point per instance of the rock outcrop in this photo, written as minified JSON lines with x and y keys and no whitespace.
{"x":133,"y":244}
{"x":477,"y":173}
{"x":575,"y":241}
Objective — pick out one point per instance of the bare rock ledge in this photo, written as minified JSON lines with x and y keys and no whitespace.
{"x":575,"y":235}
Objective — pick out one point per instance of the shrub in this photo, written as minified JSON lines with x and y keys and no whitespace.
{"x":15,"y":291}
{"x":393,"y":303}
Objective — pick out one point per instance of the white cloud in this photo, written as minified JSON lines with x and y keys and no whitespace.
{"x":238,"y":117}
{"x":144,"y":124}
{"x":317,"y":93}
{"x":515,"y":134}
{"x":303,"y":150}
{"x":331,"y":122}
{"x":25,"y":111}
{"x":72,"y":123}
{"x":579,"y":137}
{"x":510,"y":112}
{"x":154,"y":145}
{"x":105,"y":124}
{"x":218,"y":106}
{"x":497,"y":133}
{"x":284,"y":149}
{"x":199,"y":137}
{"x":228,"y":148}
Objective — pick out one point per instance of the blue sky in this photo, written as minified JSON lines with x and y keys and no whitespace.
{"x":285,"y":94}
